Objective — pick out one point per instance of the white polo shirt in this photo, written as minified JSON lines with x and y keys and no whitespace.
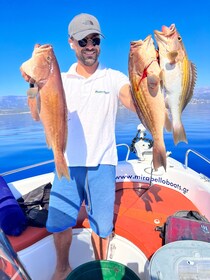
{"x":92,"y":107}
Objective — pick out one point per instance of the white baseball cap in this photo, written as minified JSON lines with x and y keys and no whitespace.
{"x":82,"y":25}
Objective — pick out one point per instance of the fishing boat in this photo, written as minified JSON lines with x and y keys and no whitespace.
{"x":145,"y":198}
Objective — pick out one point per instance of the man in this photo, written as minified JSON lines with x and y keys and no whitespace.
{"x":92,"y":94}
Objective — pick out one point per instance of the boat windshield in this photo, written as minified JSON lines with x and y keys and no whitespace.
{"x":10,"y":265}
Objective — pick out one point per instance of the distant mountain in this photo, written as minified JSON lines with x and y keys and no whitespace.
{"x":202,"y":93}
{"x":13,"y":104}
{"x":17,"y":104}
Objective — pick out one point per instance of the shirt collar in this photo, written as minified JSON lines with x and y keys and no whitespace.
{"x":100,"y":72}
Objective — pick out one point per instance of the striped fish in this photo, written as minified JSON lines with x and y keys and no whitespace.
{"x":144,"y":74}
{"x":178,"y":76}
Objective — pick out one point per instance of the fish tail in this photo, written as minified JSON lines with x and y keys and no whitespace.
{"x":159,"y":154}
{"x":61,"y":167}
{"x":179,"y":134}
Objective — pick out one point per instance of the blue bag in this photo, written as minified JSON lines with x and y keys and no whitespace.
{"x":12,"y":219}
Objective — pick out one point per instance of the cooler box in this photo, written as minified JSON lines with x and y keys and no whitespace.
{"x":181,"y":260}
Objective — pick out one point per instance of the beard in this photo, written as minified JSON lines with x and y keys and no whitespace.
{"x":88,"y":57}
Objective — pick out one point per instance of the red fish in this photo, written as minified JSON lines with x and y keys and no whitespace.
{"x":43,"y":69}
{"x":144,"y":74}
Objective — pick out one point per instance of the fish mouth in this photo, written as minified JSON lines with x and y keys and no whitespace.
{"x":42,"y":48}
{"x":136,"y":44}
{"x":165,"y":32}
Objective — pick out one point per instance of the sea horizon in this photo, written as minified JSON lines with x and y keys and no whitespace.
{"x":22,"y":140}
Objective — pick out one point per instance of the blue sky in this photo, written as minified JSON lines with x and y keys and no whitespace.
{"x":24,"y":23}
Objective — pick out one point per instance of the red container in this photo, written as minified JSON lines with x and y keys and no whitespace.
{"x":179,"y":228}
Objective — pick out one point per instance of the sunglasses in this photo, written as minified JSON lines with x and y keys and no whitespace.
{"x":95,"y":42}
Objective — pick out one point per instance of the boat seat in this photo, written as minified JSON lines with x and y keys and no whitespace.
{"x":32,"y":235}
{"x":28,"y":237}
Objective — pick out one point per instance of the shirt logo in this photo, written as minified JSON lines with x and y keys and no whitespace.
{"x":87,"y":22}
{"x":102,"y":91}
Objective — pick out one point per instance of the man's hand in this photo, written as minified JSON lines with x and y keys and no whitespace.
{"x":26,"y":77}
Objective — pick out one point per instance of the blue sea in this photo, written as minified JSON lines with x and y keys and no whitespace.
{"x":22,"y":140}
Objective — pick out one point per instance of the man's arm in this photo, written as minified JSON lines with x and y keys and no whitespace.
{"x":126,"y":98}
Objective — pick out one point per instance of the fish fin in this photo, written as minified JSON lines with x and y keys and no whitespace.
{"x":33,"y":102}
{"x":33,"y":109}
{"x":38,"y":99}
{"x":193,"y":76}
{"x":159,"y":155}
{"x":172,"y":56}
{"x":166,"y":102}
{"x":32,"y":92}
{"x":48,"y":139}
{"x":153,"y":83}
{"x":162,"y":79}
{"x":179,"y":134}
{"x":161,"y":75}
{"x":168,"y":124}
{"x":194,"y":73}
{"x":48,"y":142}
{"x":61,"y":167}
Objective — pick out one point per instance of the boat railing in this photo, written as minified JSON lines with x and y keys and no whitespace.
{"x":51,"y":161}
{"x":26,"y":168}
{"x":128,"y":148}
{"x":197,"y":154}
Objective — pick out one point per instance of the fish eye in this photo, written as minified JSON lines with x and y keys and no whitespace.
{"x":48,"y":58}
{"x":179,"y":38}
